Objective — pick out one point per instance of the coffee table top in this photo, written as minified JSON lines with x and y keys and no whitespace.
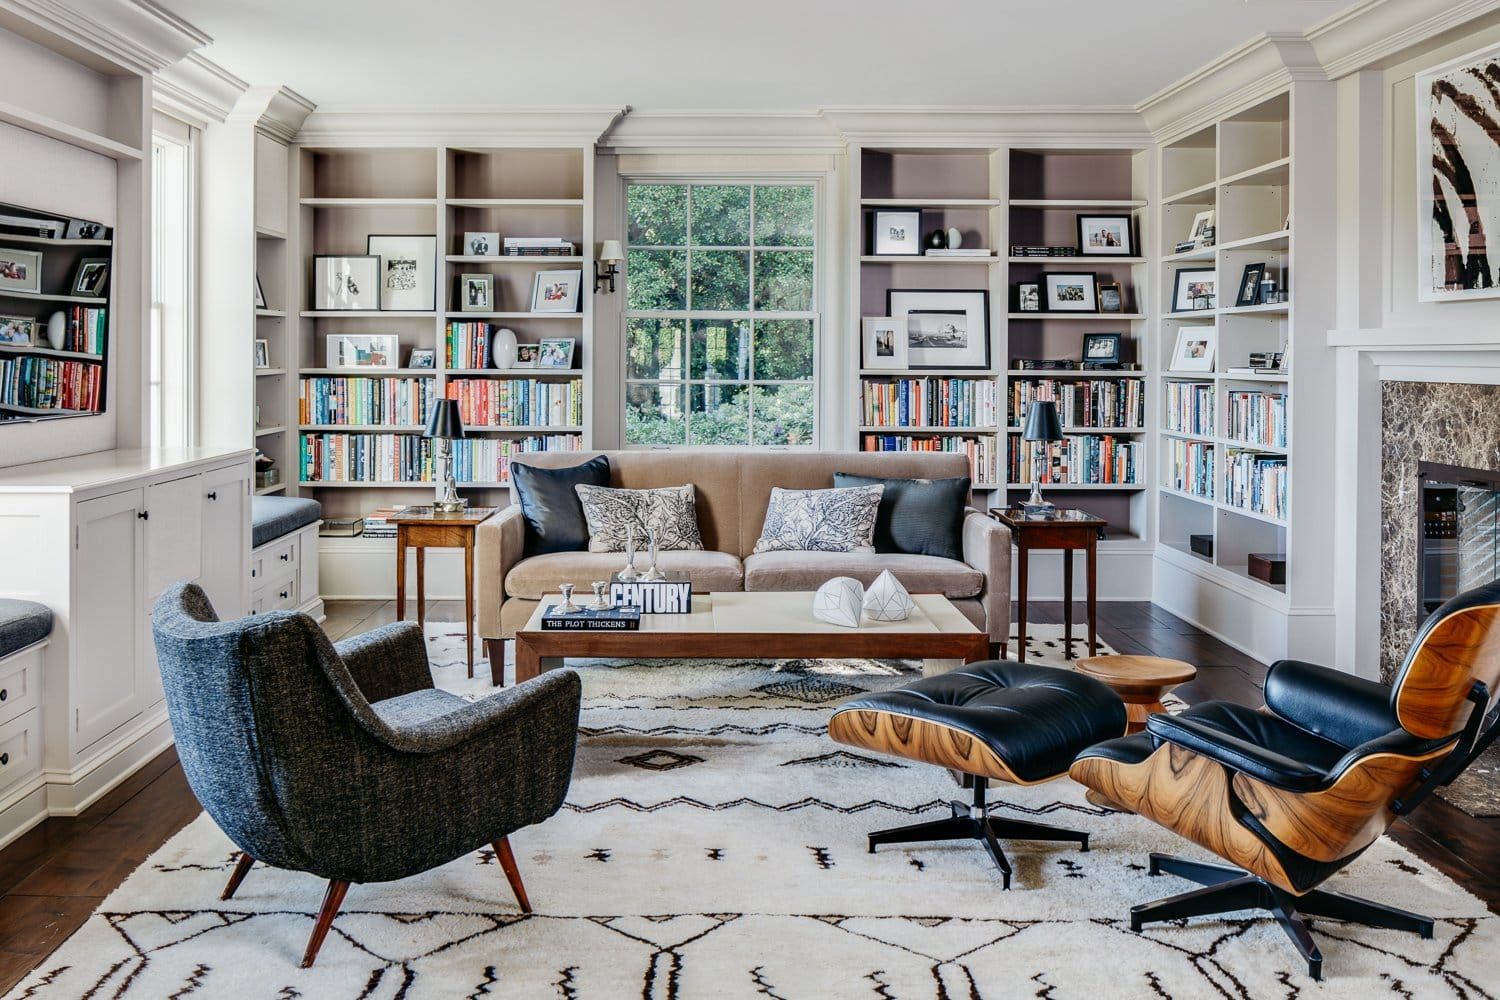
{"x":774,"y":613}
{"x":1137,"y":670}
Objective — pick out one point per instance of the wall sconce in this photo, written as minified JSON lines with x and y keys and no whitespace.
{"x":611,"y":256}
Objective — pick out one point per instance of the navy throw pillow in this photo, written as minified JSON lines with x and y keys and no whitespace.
{"x":922,"y":517}
{"x":550,"y":506}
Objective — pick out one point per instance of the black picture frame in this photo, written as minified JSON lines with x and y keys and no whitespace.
{"x":1090,"y":300}
{"x":979,"y":307}
{"x":1111,"y":296}
{"x":1185,"y":275}
{"x":1035,"y":297}
{"x":1127,"y":224}
{"x":915,"y":219}
{"x":1249,"y":291}
{"x":1092,"y":340}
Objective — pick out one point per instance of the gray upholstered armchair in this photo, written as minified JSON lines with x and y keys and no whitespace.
{"x":343,"y":760}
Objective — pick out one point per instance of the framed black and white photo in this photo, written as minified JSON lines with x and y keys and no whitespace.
{"x":1029,"y":297}
{"x":1105,"y":236}
{"x":422,"y":357}
{"x":1101,"y":348}
{"x":885,"y":343}
{"x":1201,"y":231}
{"x":83,"y":229}
{"x":1194,"y":288}
{"x":17,"y":331}
{"x":556,"y":291}
{"x":346,"y":283}
{"x":896,"y":232}
{"x":476,"y":293}
{"x":482,"y":244}
{"x":1071,"y":292}
{"x":20,"y":270}
{"x":944,"y":329}
{"x":1249,"y":293}
{"x":554,"y":352}
{"x":260,"y":295}
{"x":1111,"y":298}
{"x":1194,"y":351}
{"x":527,"y":355}
{"x":363,"y":350}
{"x":262,"y":353}
{"x":408,"y":272}
{"x":91,"y":277}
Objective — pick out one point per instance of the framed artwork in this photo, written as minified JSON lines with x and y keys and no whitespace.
{"x":885,"y":343}
{"x":20,"y":270}
{"x":82,"y":229}
{"x":1195,"y":348}
{"x":554,"y":352}
{"x":363,"y":350}
{"x":1105,"y":236}
{"x":1203,"y":227}
{"x":527,"y":355}
{"x":1101,"y":348}
{"x":482,"y":244}
{"x":346,"y":283}
{"x":944,"y":329}
{"x":1111,"y":299}
{"x":1249,"y":293}
{"x":262,"y":353}
{"x":896,"y":232}
{"x":1071,"y":292}
{"x":91,"y":277}
{"x":260,"y":295}
{"x":1029,"y":297}
{"x":408,"y":272}
{"x":1194,"y":288}
{"x":422,"y":357}
{"x":17,"y":331}
{"x":476,"y":293}
{"x":556,"y":291}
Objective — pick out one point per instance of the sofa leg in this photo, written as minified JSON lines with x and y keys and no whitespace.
{"x":241,"y":869}
{"x":512,"y":873}
{"x":998,"y":650}
{"x":332,"y":900}
{"x":494,"y":650}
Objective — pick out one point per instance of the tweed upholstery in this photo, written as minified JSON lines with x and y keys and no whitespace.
{"x":272,"y":517}
{"x":344,"y":761}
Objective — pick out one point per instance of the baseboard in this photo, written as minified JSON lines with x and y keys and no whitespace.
{"x":71,"y":792}
{"x":24,"y":810}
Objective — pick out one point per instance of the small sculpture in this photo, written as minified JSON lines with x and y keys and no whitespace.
{"x":568,"y":607}
{"x":887,"y":600}
{"x":652,"y":572}
{"x":838,"y":602}
{"x":601,"y":602}
{"x":629,"y":573}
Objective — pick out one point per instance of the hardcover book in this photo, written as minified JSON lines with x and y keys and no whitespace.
{"x":672,"y":596}
{"x":585,"y":620}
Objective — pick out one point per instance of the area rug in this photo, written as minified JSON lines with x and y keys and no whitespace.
{"x":1477,"y":789}
{"x":713,"y":845}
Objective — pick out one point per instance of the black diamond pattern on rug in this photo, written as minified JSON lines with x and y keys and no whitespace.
{"x":660,"y":760}
{"x":812,"y":690}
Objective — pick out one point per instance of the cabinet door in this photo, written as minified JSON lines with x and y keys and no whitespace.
{"x":226,"y":539}
{"x":107,"y":615}
{"x":174,"y":534}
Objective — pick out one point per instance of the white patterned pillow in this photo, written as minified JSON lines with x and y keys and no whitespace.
{"x":671,"y":511}
{"x":821,"y":520}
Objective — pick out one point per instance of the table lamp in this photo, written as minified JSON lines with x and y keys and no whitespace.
{"x":445,"y":425}
{"x":1042,"y":425}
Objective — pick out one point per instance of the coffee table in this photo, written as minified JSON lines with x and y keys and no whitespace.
{"x":773,"y":626}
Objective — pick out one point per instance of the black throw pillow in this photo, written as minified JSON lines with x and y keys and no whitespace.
{"x":922,"y":517}
{"x":550,"y":506}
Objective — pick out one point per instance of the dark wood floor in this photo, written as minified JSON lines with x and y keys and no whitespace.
{"x":52,"y":878}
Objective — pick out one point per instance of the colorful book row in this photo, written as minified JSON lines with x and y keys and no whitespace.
{"x":467,"y":345}
{"x":1190,"y":467}
{"x":42,"y":383}
{"x":487,"y":460}
{"x":359,"y":400}
{"x":366,"y":458}
{"x":981,"y":451}
{"x":1256,"y":418}
{"x":484,"y":402}
{"x":930,"y":402}
{"x":1103,"y":403}
{"x":1078,"y":460}
{"x":1190,"y":408}
{"x":1256,"y":482}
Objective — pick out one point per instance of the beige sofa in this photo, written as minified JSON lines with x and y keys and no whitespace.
{"x":733,"y":490}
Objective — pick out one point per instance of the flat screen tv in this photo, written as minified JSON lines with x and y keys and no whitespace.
{"x":56,"y":288}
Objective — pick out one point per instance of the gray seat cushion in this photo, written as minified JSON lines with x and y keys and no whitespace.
{"x":272,"y":517}
{"x":22,"y":623}
{"x":417,"y":707}
{"x":775,"y":571}
{"x":534,"y":578}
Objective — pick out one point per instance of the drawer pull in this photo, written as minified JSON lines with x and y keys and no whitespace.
{"x":4,"y":693}
{"x":285,"y":594}
{"x":143,"y":515}
{"x":213,"y":496}
{"x":4,"y":759}
{"x":285,"y":557}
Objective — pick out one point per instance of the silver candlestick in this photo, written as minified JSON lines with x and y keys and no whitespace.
{"x":629,"y":573}
{"x":568,"y":607}
{"x":652,"y":572}
{"x":601,"y":602}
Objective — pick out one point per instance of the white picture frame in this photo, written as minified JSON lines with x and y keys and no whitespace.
{"x":884,"y":343}
{"x":20,"y":270}
{"x":554,"y":353}
{"x":476,"y":293}
{"x":363,"y":350}
{"x":896,"y":232}
{"x":262,"y":353}
{"x":944,"y":328}
{"x":527,"y":355}
{"x":408,"y":272}
{"x":481,"y":244}
{"x":1196,"y":346}
{"x":346,"y":283}
{"x":1203,"y":221}
{"x":556,"y":291}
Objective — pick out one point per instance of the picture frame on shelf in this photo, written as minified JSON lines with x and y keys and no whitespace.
{"x":17,"y":331}
{"x":1194,"y":289}
{"x":527,"y":355}
{"x":1101,"y":349}
{"x":91,"y":277}
{"x":482,"y":244}
{"x":1111,"y":297}
{"x":556,"y":291}
{"x":554,"y":353}
{"x":1071,"y":291}
{"x":1108,"y":235}
{"x":1249,"y":292}
{"x":83,"y":229}
{"x":422,"y":357}
{"x":885,"y":343}
{"x":895,"y":232}
{"x":262,"y":353}
{"x":363,"y":350}
{"x":1195,"y":348}
{"x":945,"y":328}
{"x":260,"y":295}
{"x":1201,"y":232}
{"x":20,"y":270}
{"x":476,"y":293}
{"x":346,"y":283}
{"x":408,"y":271}
{"x":1029,"y":297}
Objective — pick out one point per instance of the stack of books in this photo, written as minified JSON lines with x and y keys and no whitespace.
{"x":624,"y":619}
{"x":1078,"y":460}
{"x":1190,"y":408}
{"x":366,"y":458}
{"x":1017,"y":250}
{"x":378,"y":523}
{"x":981,"y":450}
{"x":40,"y":383}
{"x":1112,"y":402}
{"x":1256,"y":418}
{"x":1257,"y":483}
{"x":962,"y":252}
{"x":1190,"y":467}
{"x":1044,"y":365}
{"x":487,"y":459}
{"x":539,"y":246}
{"x":86,"y":329}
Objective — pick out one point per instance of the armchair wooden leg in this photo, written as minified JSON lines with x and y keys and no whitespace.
{"x":332,"y":900}
{"x":241,"y":869}
{"x":512,"y":873}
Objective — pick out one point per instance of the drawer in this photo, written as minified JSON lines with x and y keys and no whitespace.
{"x":20,"y":682}
{"x":20,"y":749}
{"x":273,"y":559}
{"x":278,"y":595}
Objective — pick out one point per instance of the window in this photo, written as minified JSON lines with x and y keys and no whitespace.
{"x":171,"y":371}
{"x":721,"y":321}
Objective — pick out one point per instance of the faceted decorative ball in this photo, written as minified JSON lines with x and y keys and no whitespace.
{"x":838,"y":602}
{"x":887,"y":600}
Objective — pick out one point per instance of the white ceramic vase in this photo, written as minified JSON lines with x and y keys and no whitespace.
{"x":887,"y":600}
{"x":503,"y":349}
{"x":57,"y":330}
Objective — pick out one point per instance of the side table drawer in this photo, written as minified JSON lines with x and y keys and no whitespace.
{"x":20,"y":749}
{"x":20,"y":682}
{"x":280,"y":594}
{"x":273,"y":559}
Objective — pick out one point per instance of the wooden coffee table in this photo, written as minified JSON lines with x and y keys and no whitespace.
{"x":1140,"y":681}
{"x":773,"y":626}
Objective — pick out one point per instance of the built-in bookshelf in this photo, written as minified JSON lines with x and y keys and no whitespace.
{"x":275,"y":382}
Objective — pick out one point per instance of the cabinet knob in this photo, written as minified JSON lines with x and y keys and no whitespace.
{"x":285,"y":557}
{"x":4,"y":759}
{"x":4,"y":693}
{"x":214,"y":495}
{"x":143,"y":514}
{"x":285,"y":594}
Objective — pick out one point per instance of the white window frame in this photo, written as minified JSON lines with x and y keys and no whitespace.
{"x":185,"y":366}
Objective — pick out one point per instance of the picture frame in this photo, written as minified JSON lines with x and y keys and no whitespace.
{"x":895,"y":232}
{"x":422,"y":357}
{"x":91,"y":277}
{"x":346,"y":283}
{"x":363,"y":350}
{"x":262,"y":353}
{"x":476,"y":293}
{"x":1190,"y":285}
{"x":1029,"y":297}
{"x":556,"y":291}
{"x":1101,"y":349}
{"x":1195,"y":348}
{"x":1111,"y":297}
{"x":408,"y":272}
{"x":1201,"y":232}
{"x":1249,"y":290}
{"x":83,"y":229}
{"x":527,"y":355}
{"x":260,"y":295}
{"x":554,"y":353}
{"x":17,"y":331}
{"x":884,"y":343}
{"x":945,"y":328}
{"x":20,"y":270}
{"x":1105,"y":235}
{"x":1070,"y":291}
{"x":481,"y":244}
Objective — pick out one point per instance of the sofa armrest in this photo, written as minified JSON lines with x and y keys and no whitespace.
{"x":499,"y":543}
{"x":388,"y":661}
{"x":986,"y":547}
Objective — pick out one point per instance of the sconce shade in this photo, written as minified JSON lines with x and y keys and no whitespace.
{"x":444,"y":421}
{"x":1042,"y":423}
{"x":610,"y":252}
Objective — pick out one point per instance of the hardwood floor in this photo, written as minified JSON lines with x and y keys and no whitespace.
{"x":54,"y":876}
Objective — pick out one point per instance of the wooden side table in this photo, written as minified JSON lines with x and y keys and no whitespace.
{"x":1140,"y":681}
{"x":423,"y":528}
{"x":1065,"y":528}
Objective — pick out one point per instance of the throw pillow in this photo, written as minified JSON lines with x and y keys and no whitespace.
{"x":553,"y":515}
{"x":820,"y":520}
{"x":671,"y":511}
{"x":923,"y":517}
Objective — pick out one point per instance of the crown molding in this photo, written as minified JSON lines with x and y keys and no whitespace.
{"x":196,"y":91}
{"x":136,"y":36}
{"x":720,"y":131}
{"x":277,"y":111}
{"x":1057,"y":126}
{"x":1244,"y":75}
{"x":439,"y":126}
{"x":1370,"y":33}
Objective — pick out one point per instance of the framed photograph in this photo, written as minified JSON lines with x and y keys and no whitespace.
{"x":363,"y":350}
{"x":260,"y":295}
{"x":944,"y":329}
{"x":476,"y":293}
{"x":345,"y":283}
{"x":1029,"y":297}
{"x":1101,"y":348}
{"x":1105,"y":236}
{"x":1194,"y":288}
{"x":1111,"y":299}
{"x":553,"y":352}
{"x":422,"y":357}
{"x":885,"y":343}
{"x":408,"y":272}
{"x":1075,"y":292}
{"x":262,"y":353}
{"x":527,"y":355}
{"x":1195,"y":348}
{"x":896,"y":232}
{"x":17,"y":331}
{"x":1202,"y":229}
{"x":20,"y":270}
{"x":556,"y":291}
{"x":82,"y":229}
{"x":91,"y":277}
{"x":482,"y":244}
{"x":1249,"y":293}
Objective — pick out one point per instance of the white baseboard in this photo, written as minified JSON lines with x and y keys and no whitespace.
{"x":71,"y":792}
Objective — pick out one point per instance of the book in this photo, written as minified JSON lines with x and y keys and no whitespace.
{"x":1043,"y":365}
{"x":672,"y":596}
{"x":962,"y":252}
{"x":585,"y":620}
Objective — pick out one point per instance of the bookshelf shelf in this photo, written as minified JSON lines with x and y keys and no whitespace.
{"x":38,"y":410}
{"x":515,"y":202}
{"x":373,"y":372}
{"x":78,"y":300}
{"x":1271,"y":309}
{"x":1279,"y":240}
{"x":1094,"y":317}
{"x":363,"y":428}
{"x":268,"y":372}
{"x":261,"y":432}
{"x":1083,"y":487}
{"x":1199,"y":194}
{"x":267,"y":490}
{"x":1202,"y":253}
{"x":52,"y":241}
{"x":49,"y":352}
{"x":1069,"y":429}
{"x":925,"y":259}
{"x":512,"y":315}
{"x":1079,"y":204}
{"x":930,"y":202}
{"x":365,"y":314}
{"x":1075,"y":262}
{"x":1035,"y":373}
{"x":270,"y":314}
{"x":369,"y":202}
{"x":535,"y":260}
{"x":1273,"y":174}
{"x":878,"y":429}
{"x":55,"y":128}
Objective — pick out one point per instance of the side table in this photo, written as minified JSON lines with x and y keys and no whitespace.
{"x":1140,"y":681}
{"x":423,"y":528}
{"x":1063,"y":528}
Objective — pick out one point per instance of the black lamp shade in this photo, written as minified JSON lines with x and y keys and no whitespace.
{"x":1042,"y":423}
{"x":444,"y":421}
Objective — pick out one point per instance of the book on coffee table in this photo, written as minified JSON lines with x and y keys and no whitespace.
{"x":624,"y":619}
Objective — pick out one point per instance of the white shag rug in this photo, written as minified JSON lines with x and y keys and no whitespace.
{"x":713,"y":845}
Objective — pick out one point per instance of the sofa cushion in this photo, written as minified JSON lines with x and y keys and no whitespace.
{"x":272,"y":517}
{"x":821,"y":520}
{"x":23,"y":623}
{"x":670,"y":511}
{"x":554,"y":517}
{"x":538,"y":576}
{"x":924,"y":517}
{"x":772,"y":571}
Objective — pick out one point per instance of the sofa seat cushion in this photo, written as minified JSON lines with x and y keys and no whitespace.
{"x":534,"y":578}
{"x":774,"y":571}
{"x":22,"y":623}
{"x":272,"y":517}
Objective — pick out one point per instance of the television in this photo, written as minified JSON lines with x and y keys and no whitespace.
{"x":56,"y":289}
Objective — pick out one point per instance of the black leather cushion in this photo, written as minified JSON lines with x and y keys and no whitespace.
{"x":1130,"y":749}
{"x":1340,"y":707}
{"x":1257,"y":743}
{"x":923,"y":517}
{"x":1036,"y":719}
{"x":550,"y":506}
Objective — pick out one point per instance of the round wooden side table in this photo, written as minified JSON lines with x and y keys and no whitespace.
{"x":1140,"y":681}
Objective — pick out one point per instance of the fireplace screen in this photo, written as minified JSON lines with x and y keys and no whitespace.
{"x":1459,"y":538}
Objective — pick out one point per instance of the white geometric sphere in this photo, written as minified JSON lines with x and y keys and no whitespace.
{"x":887,"y":600}
{"x":838,"y":601}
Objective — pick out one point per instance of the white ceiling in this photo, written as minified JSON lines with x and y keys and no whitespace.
{"x":715,"y":55}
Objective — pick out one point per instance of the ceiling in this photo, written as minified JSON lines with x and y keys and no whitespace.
{"x":712,"y":55}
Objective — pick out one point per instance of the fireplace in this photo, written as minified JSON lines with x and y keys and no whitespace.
{"x":1458,"y":531}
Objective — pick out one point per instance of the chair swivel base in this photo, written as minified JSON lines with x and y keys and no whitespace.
{"x":1226,"y":889}
{"x":971,"y":822}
